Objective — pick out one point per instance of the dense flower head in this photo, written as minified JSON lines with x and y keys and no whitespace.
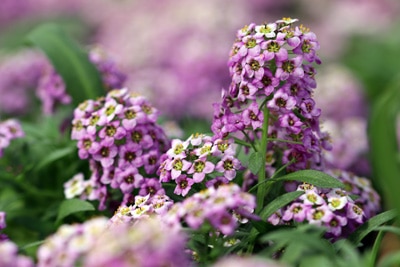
{"x":100,"y":242}
{"x":119,"y":136}
{"x":223,"y":207}
{"x":271,"y":66}
{"x":143,"y":207}
{"x":334,"y":208}
{"x":199,"y":160}
{"x":9,"y":129}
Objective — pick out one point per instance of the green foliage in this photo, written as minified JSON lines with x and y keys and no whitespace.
{"x":383,"y":141}
{"x":317,"y":178}
{"x":81,"y":77}
{"x":278,"y":203}
{"x":256,"y":161}
{"x":371,"y":225}
{"x":71,"y":206}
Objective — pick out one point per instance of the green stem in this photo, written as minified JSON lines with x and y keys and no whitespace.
{"x":284,"y":141}
{"x":248,"y":138}
{"x":243,"y":143}
{"x":375,"y":248}
{"x":262,"y":189}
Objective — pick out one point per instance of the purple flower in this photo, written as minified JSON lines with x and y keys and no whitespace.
{"x":228,"y":166}
{"x":128,"y":179}
{"x":253,"y":116}
{"x":183,"y":185}
{"x":200,"y":168}
{"x":290,"y":67}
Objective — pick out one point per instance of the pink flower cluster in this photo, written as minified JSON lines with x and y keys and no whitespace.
{"x":199,"y":159}
{"x":10,"y":258}
{"x":9,"y":129}
{"x":223,"y":207}
{"x":143,"y":207}
{"x":119,"y":136}
{"x":98,"y":242}
{"x":332,"y":208}
{"x":271,"y":70}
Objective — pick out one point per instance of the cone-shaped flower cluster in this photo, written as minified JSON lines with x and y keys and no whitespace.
{"x":332,"y":208}
{"x":9,"y":129}
{"x":192,"y":161}
{"x":273,"y":78}
{"x":223,"y":207}
{"x":119,"y":136}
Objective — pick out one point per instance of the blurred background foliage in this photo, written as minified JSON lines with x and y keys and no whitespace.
{"x":175,"y":53}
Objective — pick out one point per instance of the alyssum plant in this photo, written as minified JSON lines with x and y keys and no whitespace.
{"x":254,"y":192}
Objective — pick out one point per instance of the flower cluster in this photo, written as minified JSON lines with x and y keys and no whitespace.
{"x":332,"y":208}
{"x":190,"y":162}
{"x":119,"y":136}
{"x":222,"y":207}
{"x":10,"y":258}
{"x":273,"y":79}
{"x":143,"y":207}
{"x":97,"y":242}
{"x":9,"y":129}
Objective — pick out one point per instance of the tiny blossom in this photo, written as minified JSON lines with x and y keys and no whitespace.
{"x":9,"y":129}
{"x":120,"y":157}
{"x":75,"y":186}
{"x":220,"y":206}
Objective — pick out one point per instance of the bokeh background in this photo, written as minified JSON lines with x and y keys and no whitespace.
{"x":175,"y":52}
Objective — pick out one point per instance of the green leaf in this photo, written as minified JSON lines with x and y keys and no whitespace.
{"x":256,"y":161}
{"x":317,"y":261}
{"x":371,"y":225}
{"x":278,"y":203}
{"x":317,"y":178}
{"x":71,"y":206}
{"x":55,"y":155}
{"x":81,"y":77}
{"x":383,"y":143}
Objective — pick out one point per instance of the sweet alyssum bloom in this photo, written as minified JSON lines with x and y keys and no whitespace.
{"x":271,"y":67}
{"x":223,"y":207}
{"x":120,"y":157}
{"x":332,"y":208}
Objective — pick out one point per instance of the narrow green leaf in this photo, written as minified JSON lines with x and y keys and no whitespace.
{"x":371,"y":225}
{"x":55,"y":155}
{"x":316,"y":261}
{"x":317,"y":178}
{"x":278,"y":203}
{"x":81,"y":77}
{"x":71,"y":206}
{"x":383,"y":143}
{"x":256,"y":162}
